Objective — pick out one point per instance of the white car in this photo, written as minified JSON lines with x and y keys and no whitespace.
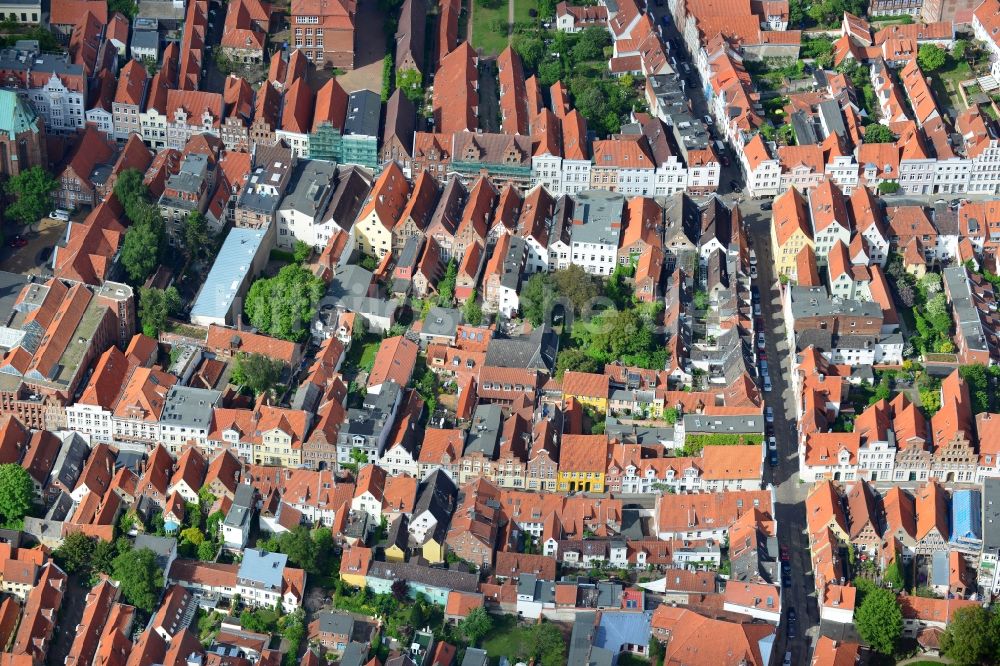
{"x":772,"y":443}
{"x":760,"y":340}
{"x":60,"y":214}
{"x":788,"y":659}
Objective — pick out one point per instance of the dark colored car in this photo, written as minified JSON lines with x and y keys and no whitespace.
{"x":783,"y":549}
{"x":766,"y":205}
{"x":772,"y":458}
{"x":17,"y":241}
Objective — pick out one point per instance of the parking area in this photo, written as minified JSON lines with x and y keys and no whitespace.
{"x":33,"y":258}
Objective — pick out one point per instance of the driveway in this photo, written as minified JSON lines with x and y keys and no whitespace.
{"x":790,"y":495}
{"x":369,"y":50}
{"x":70,"y":615}
{"x":27,"y":260}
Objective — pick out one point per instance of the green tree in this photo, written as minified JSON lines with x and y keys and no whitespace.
{"x":576,"y":360}
{"x":894,"y":576}
{"x":257,"y":372}
{"x":446,"y":287}
{"x":549,"y":71}
{"x":105,"y":553}
{"x":472,"y":311}
{"x":284,"y":305}
{"x":656,"y":651}
{"x":536,"y":297}
{"x":140,"y":578}
{"x":970,"y":638}
{"x":387,"y":77}
{"x":140,"y":254}
{"x":196,"y":236}
{"x":930,"y":283}
{"x":879,"y":620}
{"x":32,"y":192}
{"x":670,"y":415}
{"x":931,"y":58}
{"x":193,"y":536}
{"x":576,"y":285}
{"x":548,"y":645}
{"x":411,"y":83}
{"x":882,"y":391}
{"x":959,"y":49}
{"x":75,"y":554}
{"x":878,"y":133}
{"x":155,"y":306}
{"x":978,"y":383}
{"x":531,"y":48}
{"x":476,"y":625}
{"x":302,"y":252}
{"x":126,"y":7}
{"x":17,"y":493}
{"x":700,"y":300}
{"x":129,"y":189}
{"x":207,"y":550}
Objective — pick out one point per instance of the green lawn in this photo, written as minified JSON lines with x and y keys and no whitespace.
{"x":504,"y":639}
{"x":947,"y":81}
{"x":521,"y":9}
{"x":484,"y":34}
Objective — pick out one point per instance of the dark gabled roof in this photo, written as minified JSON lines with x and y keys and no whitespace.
{"x":398,"y":534}
{"x":449,"y":579}
{"x":534,"y":351}
{"x":436,"y":494}
{"x":400,"y":121}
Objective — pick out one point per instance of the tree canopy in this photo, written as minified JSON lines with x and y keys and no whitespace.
{"x":140,"y":254}
{"x":197,"y":239}
{"x":476,"y":625}
{"x":257,"y":372}
{"x":17,"y":493}
{"x":972,"y":636}
{"x":75,"y":553}
{"x":32,"y":192}
{"x":140,"y":577}
{"x":878,"y":133}
{"x":411,"y":83}
{"x":284,"y":305}
{"x":472,"y":311}
{"x":879,"y":620}
{"x":155,"y":305}
{"x":931,"y":58}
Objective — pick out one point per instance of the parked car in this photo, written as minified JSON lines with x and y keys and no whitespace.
{"x":60,"y":214}
{"x":783,"y":550}
{"x":17,"y":241}
{"x":772,"y":443}
{"x":769,"y":415}
{"x":753,"y":257}
{"x":788,"y":659}
{"x":756,"y":309}
{"x":763,"y":367}
{"x":767,"y":384}
{"x":708,"y":120}
{"x":753,"y":272}
{"x":766,"y":205}
{"x":772,"y":458}
{"x":760,"y":340}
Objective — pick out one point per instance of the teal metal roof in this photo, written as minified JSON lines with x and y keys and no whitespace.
{"x":16,"y":116}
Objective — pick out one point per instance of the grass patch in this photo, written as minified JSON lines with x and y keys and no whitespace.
{"x":485,"y":20}
{"x":522,"y":11}
{"x":946,"y":82}
{"x":505,"y":638}
{"x":282,"y":255}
